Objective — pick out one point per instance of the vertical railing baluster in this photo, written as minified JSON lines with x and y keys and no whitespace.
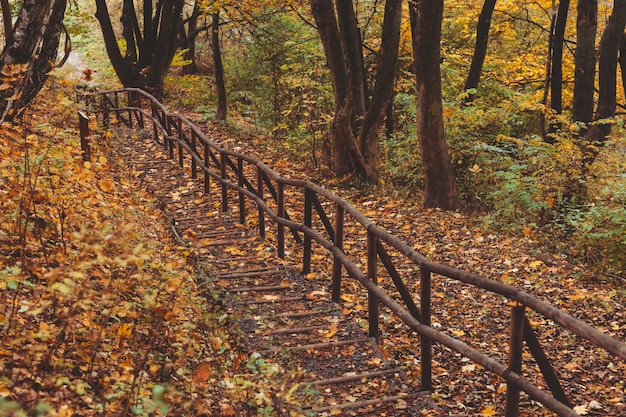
{"x":181,"y":139}
{"x":155,"y":129}
{"x":170,"y":141}
{"x":308,"y":221}
{"x":426,"y":354}
{"x":194,"y":152}
{"x":372,"y":274}
{"x":242,"y":200}
{"x":516,"y":341}
{"x":129,"y":102}
{"x":336,"y":284}
{"x":259,"y":193}
{"x":223,"y":157}
{"x":280,"y":201}
{"x":207,"y":177}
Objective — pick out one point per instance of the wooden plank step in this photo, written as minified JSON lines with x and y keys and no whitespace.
{"x":259,"y":289}
{"x":248,"y":274}
{"x":330,"y":345}
{"x":355,"y":377}
{"x":358,"y":404}
{"x":290,"y":330}
{"x":273,"y":301}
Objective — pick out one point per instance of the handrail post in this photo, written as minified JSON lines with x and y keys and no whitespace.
{"x":338,"y":242}
{"x":170,"y":141}
{"x":259,"y":193}
{"x":207,"y":177}
{"x":372,"y":300}
{"x":280,"y":201}
{"x":516,"y":341}
{"x":308,"y":221}
{"x":181,"y":138}
{"x":83,"y":126}
{"x":242,"y":200}
{"x":223,"y":157}
{"x":129,"y":101}
{"x":426,"y":355}
{"x":155,"y":129}
{"x":194,"y":152}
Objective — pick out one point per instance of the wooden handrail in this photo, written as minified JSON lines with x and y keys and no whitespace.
{"x":414,"y":318}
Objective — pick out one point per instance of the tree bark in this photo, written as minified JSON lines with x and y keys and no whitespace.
{"x":44,"y":63}
{"x":220,"y":85}
{"x":585,"y":61}
{"x":480,"y":50}
{"x":357,"y":120}
{"x":383,"y":88}
{"x":328,"y":29}
{"x":7,"y":20}
{"x":598,"y":133}
{"x":189,"y":40}
{"x":20,"y":50}
{"x":440,"y":190}
{"x":148,"y":54}
{"x":556,"y":91}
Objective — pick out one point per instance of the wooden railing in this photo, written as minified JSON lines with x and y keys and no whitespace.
{"x":254,"y":182}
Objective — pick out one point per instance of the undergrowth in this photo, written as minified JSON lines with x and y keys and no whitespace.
{"x":105,"y":312}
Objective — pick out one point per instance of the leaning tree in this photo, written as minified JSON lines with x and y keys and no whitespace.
{"x":29,"y":53}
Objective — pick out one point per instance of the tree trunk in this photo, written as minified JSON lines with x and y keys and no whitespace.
{"x":189,"y":40}
{"x":598,"y":133}
{"x":7,"y":20}
{"x":383,"y":89}
{"x":20,"y":50}
{"x":585,"y":61}
{"x":357,"y":120}
{"x":556,"y":91}
{"x":480,"y":50}
{"x":220,"y":85}
{"x":44,"y":63}
{"x":328,"y":29}
{"x":440,"y":190}
{"x":148,"y":55}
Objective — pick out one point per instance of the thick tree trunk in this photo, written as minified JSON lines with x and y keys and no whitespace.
{"x":598,"y":133}
{"x":149,"y":54}
{"x":585,"y":61}
{"x":480,"y":50}
{"x":220,"y":85}
{"x":383,"y":89}
{"x":20,"y":50}
{"x":44,"y":63}
{"x":7,"y":20}
{"x":440,"y":190}
{"x":327,"y":26}
{"x":357,"y":121}
{"x":190,"y":40}
{"x":556,"y":91}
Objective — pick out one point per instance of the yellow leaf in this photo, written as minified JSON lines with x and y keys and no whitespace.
{"x":458,"y":332}
{"x":349,"y":298}
{"x":332,"y":330}
{"x":106,"y":185}
{"x":125,"y":330}
{"x":216,"y":343}
{"x":488,"y":411}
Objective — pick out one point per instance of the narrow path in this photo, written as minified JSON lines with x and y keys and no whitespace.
{"x":285,"y":319}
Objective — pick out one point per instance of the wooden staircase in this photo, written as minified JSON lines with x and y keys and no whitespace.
{"x":286,"y":319}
